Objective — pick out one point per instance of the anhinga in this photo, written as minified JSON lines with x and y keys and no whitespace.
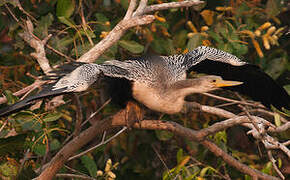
{"x":160,"y":82}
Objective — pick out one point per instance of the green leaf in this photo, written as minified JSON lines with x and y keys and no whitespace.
{"x":267,"y":168}
{"x":279,"y":163}
{"x":194,"y":42}
{"x":276,"y":67}
{"x":180,"y":39}
{"x":11,"y":99}
{"x":14,"y":3}
{"x":223,"y":31}
{"x":31,"y":126}
{"x":277,"y":119}
{"x":239,"y":49}
{"x":163,"y":135}
{"x":131,"y":46}
{"x":273,"y":7}
{"x":287,"y":88}
{"x":8,"y":170}
{"x":216,"y":37}
{"x":88,"y":33}
{"x":179,"y":156}
{"x":207,"y":169}
{"x":81,"y":49}
{"x":90,"y":165}
{"x":65,"y":8}
{"x":52,"y":117}
{"x":203,"y":171}
{"x":66,"y":21}
{"x":124,"y":3}
{"x":12,"y":144}
{"x":220,"y":136}
{"x":40,"y":148}
{"x":54,"y":145}
{"x":101,"y":17}
{"x":42,"y":27}
{"x":247,"y":177}
{"x":108,"y":55}
{"x":24,"y":116}
{"x":162,"y":46}
{"x":61,"y":44}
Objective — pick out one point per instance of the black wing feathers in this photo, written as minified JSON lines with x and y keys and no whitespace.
{"x":257,"y":84}
{"x":30,"y":100}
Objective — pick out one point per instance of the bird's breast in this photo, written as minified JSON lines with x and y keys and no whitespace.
{"x":156,"y":99}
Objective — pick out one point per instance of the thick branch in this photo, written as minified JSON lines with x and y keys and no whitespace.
{"x":220,"y":126}
{"x":193,"y":135}
{"x":141,"y":7}
{"x":86,"y":136}
{"x":130,"y":9}
{"x":38,"y":45}
{"x":164,"y":6}
{"x":120,"y":120}
{"x":235,"y":163}
{"x":188,"y":106}
{"x":113,"y":37}
{"x":131,"y":19}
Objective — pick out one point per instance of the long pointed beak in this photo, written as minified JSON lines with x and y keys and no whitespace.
{"x":224,"y":83}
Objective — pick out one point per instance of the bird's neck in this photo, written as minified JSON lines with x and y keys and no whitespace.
{"x":182,"y":88}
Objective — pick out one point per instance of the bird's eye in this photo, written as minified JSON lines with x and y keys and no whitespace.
{"x":214,"y":80}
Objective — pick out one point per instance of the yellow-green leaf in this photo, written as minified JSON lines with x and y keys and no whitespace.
{"x":65,"y":8}
{"x":132,"y":46}
{"x":52,"y":117}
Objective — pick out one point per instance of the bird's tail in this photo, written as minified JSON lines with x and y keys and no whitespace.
{"x":30,"y":100}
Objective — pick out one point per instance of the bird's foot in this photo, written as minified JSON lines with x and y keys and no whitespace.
{"x":133,"y":113}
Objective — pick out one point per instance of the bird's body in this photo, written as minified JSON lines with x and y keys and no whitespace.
{"x":161,"y":83}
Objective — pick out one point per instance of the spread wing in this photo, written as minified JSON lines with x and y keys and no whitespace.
{"x":76,"y":81}
{"x":257,"y":84}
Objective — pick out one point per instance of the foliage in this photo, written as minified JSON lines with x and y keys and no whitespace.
{"x":252,"y":30}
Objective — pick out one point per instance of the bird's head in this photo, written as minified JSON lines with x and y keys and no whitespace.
{"x":209,"y":83}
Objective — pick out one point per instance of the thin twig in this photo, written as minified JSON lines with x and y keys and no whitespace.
{"x":162,"y":161}
{"x":74,"y":170}
{"x":281,"y":128}
{"x":11,"y":13}
{"x":79,"y":116}
{"x":74,"y":176}
{"x":97,"y":111}
{"x":98,"y":145}
{"x":259,"y":129}
{"x":34,"y":85}
{"x":91,"y":116}
{"x":274,"y":164}
{"x":3,"y":125}
{"x":234,"y":101}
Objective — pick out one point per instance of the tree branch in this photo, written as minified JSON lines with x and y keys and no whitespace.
{"x":130,"y":9}
{"x":38,"y":45}
{"x":130,"y":20}
{"x":36,"y":84}
{"x":163,"y":6}
{"x":120,"y":120}
{"x":113,"y":37}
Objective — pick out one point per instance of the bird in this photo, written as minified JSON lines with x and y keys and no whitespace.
{"x":161,"y":84}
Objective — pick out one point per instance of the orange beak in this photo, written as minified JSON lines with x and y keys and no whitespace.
{"x":224,"y":83}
